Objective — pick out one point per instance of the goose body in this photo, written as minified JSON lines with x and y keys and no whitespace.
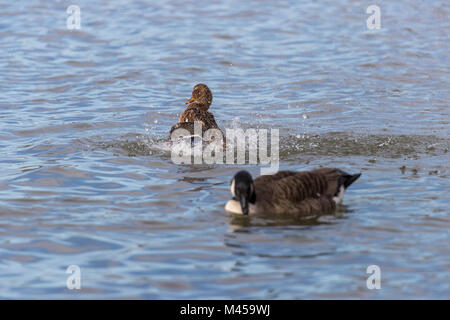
{"x":197,"y":111}
{"x":289,"y":192}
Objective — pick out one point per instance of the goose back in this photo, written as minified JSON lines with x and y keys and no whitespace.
{"x":304,"y":193}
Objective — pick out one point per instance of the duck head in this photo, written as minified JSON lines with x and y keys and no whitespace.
{"x":243,"y":190}
{"x":201,"y":95}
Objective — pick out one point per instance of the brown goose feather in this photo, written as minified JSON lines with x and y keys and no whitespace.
{"x":297,"y":192}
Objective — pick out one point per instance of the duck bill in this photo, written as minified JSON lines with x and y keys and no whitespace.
{"x":244,"y":205}
{"x":190,"y":100}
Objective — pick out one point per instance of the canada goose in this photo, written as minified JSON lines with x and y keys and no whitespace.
{"x":197,"y":111}
{"x":289,"y":192}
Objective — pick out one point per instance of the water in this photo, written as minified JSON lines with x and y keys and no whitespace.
{"x":86,"y":179}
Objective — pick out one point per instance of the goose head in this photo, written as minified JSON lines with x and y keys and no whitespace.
{"x":243,"y":190}
{"x":201,"y":95}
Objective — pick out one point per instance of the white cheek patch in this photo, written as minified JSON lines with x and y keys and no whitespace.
{"x":232,"y":188}
{"x":340,"y":197}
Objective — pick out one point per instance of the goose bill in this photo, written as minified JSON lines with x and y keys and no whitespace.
{"x":244,"y":205}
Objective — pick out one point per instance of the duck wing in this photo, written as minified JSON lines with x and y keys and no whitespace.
{"x":206,"y":119}
{"x":189,"y":126}
{"x":195,"y":114}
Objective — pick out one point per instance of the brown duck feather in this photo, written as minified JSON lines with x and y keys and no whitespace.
{"x":194,"y":113}
{"x":197,"y":111}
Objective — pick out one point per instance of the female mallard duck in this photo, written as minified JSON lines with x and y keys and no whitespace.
{"x":197,"y":111}
{"x":289,"y":192}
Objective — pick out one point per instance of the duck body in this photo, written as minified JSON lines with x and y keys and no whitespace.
{"x":192,"y":114}
{"x":197,"y":111}
{"x":289,"y":192}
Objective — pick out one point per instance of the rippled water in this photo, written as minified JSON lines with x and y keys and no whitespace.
{"x":86,"y":180}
